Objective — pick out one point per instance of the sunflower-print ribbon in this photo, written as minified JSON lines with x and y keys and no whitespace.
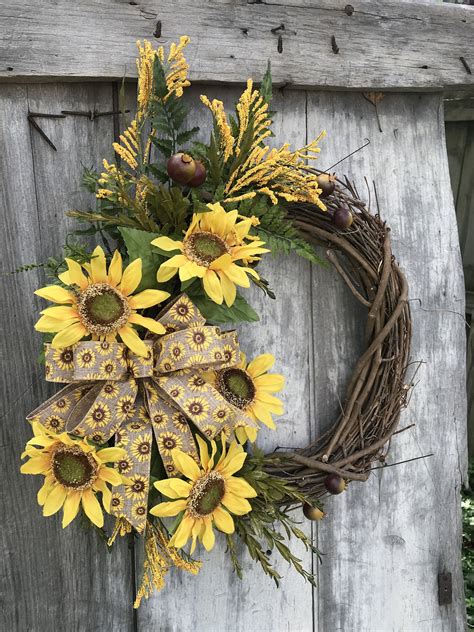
{"x":112,"y":391}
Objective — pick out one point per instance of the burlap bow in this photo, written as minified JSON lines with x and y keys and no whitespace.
{"x":113,"y":391}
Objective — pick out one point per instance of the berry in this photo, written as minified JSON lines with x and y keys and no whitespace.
{"x":313,"y":513}
{"x":181,"y":168}
{"x":327,"y":183}
{"x":342,"y":218}
{"x":334,"y":484}
{"x":199,"y":176}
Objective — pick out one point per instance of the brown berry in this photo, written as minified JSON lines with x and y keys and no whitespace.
{"x":342,"y":218}
{"x":313,"y":513}
{"x":199,"y":176}
{"x":181,"y":168}
{"x":327,"y":183}
{"x":334,"y":483}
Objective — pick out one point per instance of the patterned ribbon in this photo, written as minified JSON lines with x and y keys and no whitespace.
{"x":112,"y":391}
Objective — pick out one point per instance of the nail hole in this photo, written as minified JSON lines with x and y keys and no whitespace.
{"x":10,"y":68}
{"x":348,"y":9}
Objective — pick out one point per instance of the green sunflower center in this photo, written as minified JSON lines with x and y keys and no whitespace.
{"x":73,"y":468}
{"x":206,"y":494}
{"x":204,"y":247}
{"x":103,"y":309}
{"x":236,"y":386}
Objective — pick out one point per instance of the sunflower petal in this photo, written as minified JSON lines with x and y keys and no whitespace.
{"x":208,"y":537}
{"x":229,"y":289}
{"x":111,"y":455}
{"x":203,"y":451}
{"x":101,"y":486}
{"x":262,"y":413}
{"x":61,"y":312}
{"x":165,"y":274}
{"x":54,"y":501}
{"x":115,"y":269}
{"x":185,"y":464}
{"x":149,"y":323}
{"x":70,"y":508}
{"x":165,"y":243}
{"x":213,"y":287}
{"x":92,"y":508}
{"x":76,"y":275}
{"x":147,"y":298}
{"x":98,"y":266}
{"x":270,"y":382}
{"x":173,"y":487}
{"x":183,"y":532}
{"x":46,"y":324}
{"x":36,"y":465}
{"x":132,"y":275}
{"x":110,"y":476}
{"x":261,"y":364}
{"x":133,"y":341}
{"x":238,"y":486}
{"x":171,"y":508}
{"x":69,"y":336}
{"x":223,"y":520}
{"x":238,"y":506}
{"x":55,"y":294}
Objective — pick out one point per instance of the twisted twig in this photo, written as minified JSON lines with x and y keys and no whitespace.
{"x":377,"y":391}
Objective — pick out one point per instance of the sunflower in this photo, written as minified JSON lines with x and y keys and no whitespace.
{"x":248,"y":387}
{"x":99,"y":304}
{"x":212,"y":245}
{"x":210,"y":496}
{"x":74,"y":472}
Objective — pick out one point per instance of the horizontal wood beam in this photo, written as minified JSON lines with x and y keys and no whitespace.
{"x":327,"y":44}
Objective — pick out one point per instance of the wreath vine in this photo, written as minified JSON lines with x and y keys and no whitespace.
{"x":160,"y":413}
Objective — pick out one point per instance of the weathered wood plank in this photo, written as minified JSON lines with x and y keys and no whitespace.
{"x":216,"y":598}
{"x":389,"y":45}
{"x":386,"y":540}
{"x":52,"y":579}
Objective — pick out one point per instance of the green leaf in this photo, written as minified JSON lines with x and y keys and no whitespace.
{"x":183,"y":137}
{"x":138,"y":244}
{"x":160,"y":88}
{"x":164,"y":145}
{"x":240,"y":312}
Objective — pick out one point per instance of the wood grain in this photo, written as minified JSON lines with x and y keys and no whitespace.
{"x":52,"y":580}
{"x":382,"y":46}
{"x":386,"y":540}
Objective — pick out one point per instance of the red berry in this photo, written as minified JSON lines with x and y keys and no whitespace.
{"x":181,"y":168}
{"x":327,"y":183}
{"x":342,"y":218}
{"x":199,"y":176}
{"x":334,"y":483}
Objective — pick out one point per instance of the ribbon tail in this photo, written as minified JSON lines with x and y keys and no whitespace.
{"x":130,"y":500}
{"x":170,"y":427}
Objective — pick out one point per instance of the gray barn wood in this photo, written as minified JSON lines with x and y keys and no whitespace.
{"x":382,"y":45}
{"x":384,"y":541}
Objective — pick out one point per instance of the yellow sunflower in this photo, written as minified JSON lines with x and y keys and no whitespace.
{"x":99,"y":303}
{"x":74,"y":472}
{"x":248,"y":386}
{"x":213,"y":244}
{"x":210,"y":496}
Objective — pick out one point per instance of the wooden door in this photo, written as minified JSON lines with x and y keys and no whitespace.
{"x":384,"y":541}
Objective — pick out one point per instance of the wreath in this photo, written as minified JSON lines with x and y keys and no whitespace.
{"x":161,"y":410}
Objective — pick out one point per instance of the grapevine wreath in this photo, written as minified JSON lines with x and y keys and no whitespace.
{"x":160,"y":413}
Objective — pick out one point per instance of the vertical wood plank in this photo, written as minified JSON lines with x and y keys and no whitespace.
{"x":386,"y":540}
{"x":216,"y":599}
{"x":54,"y":580}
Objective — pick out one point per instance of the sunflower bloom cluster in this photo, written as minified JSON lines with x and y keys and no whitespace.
{"x":209,"y":497}
{"x":212,"y":249}
{"x":249,"y":388}
{"x":74,"y":472}
{"x":100,"y":303}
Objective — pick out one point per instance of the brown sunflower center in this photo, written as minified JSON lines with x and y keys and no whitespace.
{"x":103,"y":309}
{"x":73,"y":468}
{"x":236,"y":386}
{"x":204,"y":247}
{"x":206,"y":494}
